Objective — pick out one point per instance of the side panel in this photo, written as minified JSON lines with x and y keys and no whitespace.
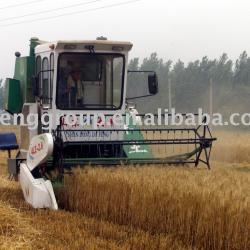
{"x":24,"y":70}
{"x":13,"y":101}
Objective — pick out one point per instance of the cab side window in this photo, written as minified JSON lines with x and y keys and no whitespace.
{"x":38,"y":65}
{"x":117,"y":81}
{"x":38,"y":70}
{"x":45,"y":84}
{"x":52,"y":60}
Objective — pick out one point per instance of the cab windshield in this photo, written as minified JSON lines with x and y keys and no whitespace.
{"x":90,"y":81}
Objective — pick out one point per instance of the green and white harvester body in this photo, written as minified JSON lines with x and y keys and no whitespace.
{"x":78,"y":92}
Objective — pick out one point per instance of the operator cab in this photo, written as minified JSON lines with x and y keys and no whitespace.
{"x":82,"y":75}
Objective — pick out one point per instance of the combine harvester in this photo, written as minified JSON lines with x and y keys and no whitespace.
{"x":87,"y":79}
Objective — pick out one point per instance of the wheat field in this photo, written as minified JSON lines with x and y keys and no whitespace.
{"x":151,"y":207}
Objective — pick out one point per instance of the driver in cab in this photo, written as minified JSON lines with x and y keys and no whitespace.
{"x":75,"y":88}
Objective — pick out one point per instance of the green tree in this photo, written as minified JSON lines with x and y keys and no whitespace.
{"x":242,"y":70}
{"x":137,"y":82}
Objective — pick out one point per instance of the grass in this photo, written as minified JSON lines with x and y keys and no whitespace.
{"x":232,"y":147}
{"x":204,"y":210}
{"x":139,"y":208}
{"x":25,"y":228}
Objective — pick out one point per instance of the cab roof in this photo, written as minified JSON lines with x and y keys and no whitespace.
{"x":71,"y":45}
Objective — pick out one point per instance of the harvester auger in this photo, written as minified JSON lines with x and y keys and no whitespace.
{"x":80,"y":87}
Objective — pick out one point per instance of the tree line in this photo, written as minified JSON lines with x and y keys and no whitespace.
{"x":191,"y":84}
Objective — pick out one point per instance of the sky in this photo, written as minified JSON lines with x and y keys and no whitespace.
{"x":175,"y":29}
